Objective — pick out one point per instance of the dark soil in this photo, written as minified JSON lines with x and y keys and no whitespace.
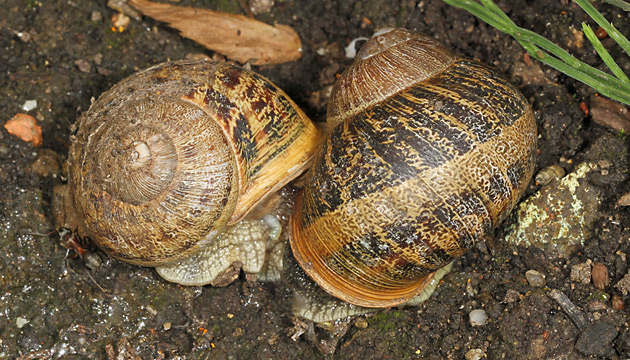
{"x":53,"y":307}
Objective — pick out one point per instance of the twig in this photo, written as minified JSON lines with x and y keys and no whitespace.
{"x":569,"y":308}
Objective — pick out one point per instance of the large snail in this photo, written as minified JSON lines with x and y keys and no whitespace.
{"x":168,"y":159}
{"x":428,"y":152}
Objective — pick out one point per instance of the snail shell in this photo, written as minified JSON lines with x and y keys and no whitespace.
{"x":171,"y":155}
{"x":429,"y":153}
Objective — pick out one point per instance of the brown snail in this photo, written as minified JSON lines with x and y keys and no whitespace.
{"x":428,"y":153}
{"x":168,"y":158}
{"x":431,"y":152}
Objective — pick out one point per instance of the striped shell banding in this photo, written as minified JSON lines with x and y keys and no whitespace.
{"x":420,"y":165}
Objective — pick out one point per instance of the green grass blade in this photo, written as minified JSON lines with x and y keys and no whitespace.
{"x":601,"y":85}
{"x":479,"y":11}
{"x":553,"y":55}
{"x":495,"y":9}
{"x":608,"y":60}
{"x":619,"y":3}
{"x":601,"y":21}
{"x":531,"y":37}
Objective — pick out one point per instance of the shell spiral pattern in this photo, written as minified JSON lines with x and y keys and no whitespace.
{"x":164,"y":160}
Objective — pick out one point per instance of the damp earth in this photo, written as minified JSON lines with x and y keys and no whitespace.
{"x":53,"y":305}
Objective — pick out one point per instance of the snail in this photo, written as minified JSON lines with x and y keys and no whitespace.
{"x":426,"y":154}
{"x":173,"y":157}
{"x":429,"y":153}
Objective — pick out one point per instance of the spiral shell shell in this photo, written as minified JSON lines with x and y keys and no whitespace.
{"x":169,"y":156}
{"x":430,"y":153}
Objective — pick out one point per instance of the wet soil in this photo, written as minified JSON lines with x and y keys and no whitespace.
{"x":63,"y":53}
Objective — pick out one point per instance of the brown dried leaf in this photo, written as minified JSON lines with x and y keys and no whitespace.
{"x":25,"y":127}
{"x":236,"y":36}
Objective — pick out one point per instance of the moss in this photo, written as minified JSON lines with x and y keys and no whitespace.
{"x":228,"y":6}
{"x":385,"y":321}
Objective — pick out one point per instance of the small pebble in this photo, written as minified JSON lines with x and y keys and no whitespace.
{"x":29,"y":105}
{"x":96,"y":16}
{"x":581,"y":273}
{"x":624,"y":284}
{"x":596,"y":305}
{"x":98,"y":58}
{"x":474,"y":354}
{"x":120,"y":22}
{"x":600,"y":276}
{"x":617,"y":302}
{"x":512,"y":296}
{"x":20,"y":322}
{"x":361,"y":322}
{"x":624,"y":200}
{"x":24,"y":36}
{"x":83,"y":65}
{"x":470,"y":290}
{"x":478,"y":317}
{"x":92,"y":260}
{"x":123,"y":7}
{"x":534,"y":278}
{"x":238,"y":332}
{"x":25,"y":127}
{"x":260,"y":6}
{"x":151,"y":310}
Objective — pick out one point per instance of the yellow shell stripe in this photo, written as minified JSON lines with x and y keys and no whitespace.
{"x":272,"y":136}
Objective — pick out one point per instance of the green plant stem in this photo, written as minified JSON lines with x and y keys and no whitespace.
{"x":547,"y":52}
{"x":601,"y":51}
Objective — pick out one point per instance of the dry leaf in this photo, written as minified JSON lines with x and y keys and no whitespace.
{"x":25,"y":127}
{"x":235,"y":36}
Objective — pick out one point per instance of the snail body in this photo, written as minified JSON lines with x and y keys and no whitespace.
{"x":422,"y":163}
{"x":171,"y":156}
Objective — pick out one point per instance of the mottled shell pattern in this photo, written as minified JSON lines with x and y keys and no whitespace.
{"x":430,"y":153}
{"x":169,"y":156}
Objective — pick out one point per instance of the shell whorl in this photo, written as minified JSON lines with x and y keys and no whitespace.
{"x":141,"y":161}
{"x":392,"y":60}
{"x":170,"y":156}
